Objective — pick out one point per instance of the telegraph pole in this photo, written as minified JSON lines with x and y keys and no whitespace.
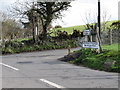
{"x":99,"y":26}
{"x":99,"y":18}
{"x":33,"y":22}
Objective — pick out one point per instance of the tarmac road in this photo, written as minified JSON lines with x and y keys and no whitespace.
{"x":43,"y":70}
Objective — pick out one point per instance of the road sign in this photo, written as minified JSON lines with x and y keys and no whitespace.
{"x":90,"y":45}
{"x":87,"y":32}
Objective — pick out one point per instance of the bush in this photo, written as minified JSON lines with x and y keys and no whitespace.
{"x":58,"y":26}
{"x":62,"y":35}
{"x":76,"y":34}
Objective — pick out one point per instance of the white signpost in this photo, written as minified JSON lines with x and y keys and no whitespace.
{"x":87,"y":32}
{"x":84,"y":43}
{"x":94,"y":45}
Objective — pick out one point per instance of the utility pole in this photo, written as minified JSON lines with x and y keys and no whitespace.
{"x":33,"y":21}
{"x":99,"y":18}
{"x":99,"y":26}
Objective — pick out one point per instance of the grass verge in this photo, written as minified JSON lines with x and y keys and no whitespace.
{"x":108,"y":60}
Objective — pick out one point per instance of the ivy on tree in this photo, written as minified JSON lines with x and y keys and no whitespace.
{"x":49,"y":11}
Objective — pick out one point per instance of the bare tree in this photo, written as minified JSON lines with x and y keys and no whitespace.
{"x":10,"y":28}
{"x":105,"y":18}
{"x":91,"y":23}
{"x":91,"y":19}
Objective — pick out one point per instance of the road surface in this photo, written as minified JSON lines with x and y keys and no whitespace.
{"x":43,"y":70}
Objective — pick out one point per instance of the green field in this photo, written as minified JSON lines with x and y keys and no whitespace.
{"x":70,"y":29}
{"x":111,"y":47}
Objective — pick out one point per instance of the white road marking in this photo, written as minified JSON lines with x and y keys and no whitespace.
{"x":9,"y":66}
{"x":51,"y":83}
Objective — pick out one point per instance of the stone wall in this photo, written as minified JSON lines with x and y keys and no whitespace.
{"x":105,"y":36}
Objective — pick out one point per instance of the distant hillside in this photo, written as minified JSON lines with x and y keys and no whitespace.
{"x":80,"y":27}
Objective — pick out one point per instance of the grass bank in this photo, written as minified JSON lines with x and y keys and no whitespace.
{"x":108,"y":60}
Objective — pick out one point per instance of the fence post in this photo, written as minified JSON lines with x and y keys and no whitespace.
{"x":110,"y":36}
{"x":69,"y":50}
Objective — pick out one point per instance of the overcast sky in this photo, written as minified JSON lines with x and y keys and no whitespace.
{"x":76,"y":14}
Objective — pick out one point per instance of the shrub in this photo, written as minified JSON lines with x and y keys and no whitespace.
{"x":58,"y":26}
{"x":62,"y":35}
{"x":17,"y":47}
{"x":76,"y":34}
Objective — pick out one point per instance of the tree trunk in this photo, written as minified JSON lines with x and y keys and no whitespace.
{"x":44,"y":31}
{"x":45,"y":26}
{"x":99,"y":40}
{"x":33,"y":32}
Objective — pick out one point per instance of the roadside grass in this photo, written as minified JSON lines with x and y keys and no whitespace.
{"x":96,"y":61}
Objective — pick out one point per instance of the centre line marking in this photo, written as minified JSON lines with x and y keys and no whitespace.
{"x":9,"y":66}
{"x":51,"y":83}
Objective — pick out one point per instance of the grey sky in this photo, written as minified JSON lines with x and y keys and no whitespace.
{"x":75,"y":15}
